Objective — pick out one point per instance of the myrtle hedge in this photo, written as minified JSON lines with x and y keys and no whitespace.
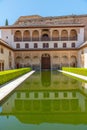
{"x":80,"y":71}
{"x":8,"y":75}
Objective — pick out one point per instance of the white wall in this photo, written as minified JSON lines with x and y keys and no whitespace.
{"x":6,"y":35}
{"x":85,"y":57}
{"x":81,"y":36}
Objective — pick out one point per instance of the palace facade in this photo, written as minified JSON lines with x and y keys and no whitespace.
{"x":44,"y":42}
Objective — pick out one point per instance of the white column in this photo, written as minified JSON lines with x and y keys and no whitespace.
{"x":85,"y":57}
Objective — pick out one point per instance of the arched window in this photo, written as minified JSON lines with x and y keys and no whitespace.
{"x":18,"y":36}
{"x":73,"y":35}
{"x":26,"y":35}
{"x":45,"y":37}
{"x":64,"y":35}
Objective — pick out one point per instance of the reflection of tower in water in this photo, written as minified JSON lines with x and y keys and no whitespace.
{"x":46,"y":78}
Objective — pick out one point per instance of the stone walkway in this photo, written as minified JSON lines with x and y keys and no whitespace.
{"x":8,"y":88}
{"x":73,"y":74}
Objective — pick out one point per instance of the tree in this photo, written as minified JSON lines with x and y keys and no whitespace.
{"x":6,"y":22}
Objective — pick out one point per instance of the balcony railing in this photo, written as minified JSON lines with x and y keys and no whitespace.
{"x":26,"y":39}
{"x":46,"y":39}
{"x":73,"y":38}
{"x":64,"y":38}
{"x":55,"y":39}
{"x":16,"y":39}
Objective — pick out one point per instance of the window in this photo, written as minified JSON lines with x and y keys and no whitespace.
{"x":17,"y":45}
{"x":45,"y":45}
{"x":73,"y":44}
{"x":27,"y":94}
{"x":46,"y":94}
{"x":36,"y":95}
{"x":35,"y":45}
{"x":10,"y":64}
{"x":55,"y":45}
{"x":56,"y":94}
{"x":9,"y":53}
{"x":65,"y":94}
{"x":18,"y":95}
{"x":2,"y":51}
{"x":73,"y":94}
{"x":64,"y":45}
{"x":26,"y":45}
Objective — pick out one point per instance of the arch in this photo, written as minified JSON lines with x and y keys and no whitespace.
{"x":18,"y":61}
{"x":26,"y":61}
{"x":35,"y":35}
{"x":64,"y":60}
{"x":45,"y":61}
{"x":73,"y":34}
{"x":18,"y":36}
{"x":55,"y":35}
{"x":45,"y":35}
{"x":64,"y":35}
{"x":73,"y":61}
{"x":82,"y":58}
{"x":26,"y":35}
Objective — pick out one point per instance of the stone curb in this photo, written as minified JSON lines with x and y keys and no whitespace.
{"x":8,"y":88}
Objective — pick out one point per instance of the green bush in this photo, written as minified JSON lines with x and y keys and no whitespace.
{"x":80,"y":71}
{"x":8,"y":75}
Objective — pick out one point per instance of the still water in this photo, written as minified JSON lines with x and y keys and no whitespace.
{"x":46,"y":101}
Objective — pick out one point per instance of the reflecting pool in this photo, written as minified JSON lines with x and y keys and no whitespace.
{"x":46,"y":101}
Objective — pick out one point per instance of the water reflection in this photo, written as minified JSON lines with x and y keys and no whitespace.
{"x":52,"y":98}
{"x":46,"y":78}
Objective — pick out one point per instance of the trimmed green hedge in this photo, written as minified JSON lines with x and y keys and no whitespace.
{"x":80,"y":71}
{"x":8,"y":75}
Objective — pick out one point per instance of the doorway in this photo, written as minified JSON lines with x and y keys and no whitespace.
{"x":45,"y":61}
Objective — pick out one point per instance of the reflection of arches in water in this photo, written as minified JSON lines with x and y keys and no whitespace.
{"x":46,"y":78}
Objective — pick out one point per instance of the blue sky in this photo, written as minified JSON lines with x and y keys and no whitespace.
{"x":12,"y":9}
